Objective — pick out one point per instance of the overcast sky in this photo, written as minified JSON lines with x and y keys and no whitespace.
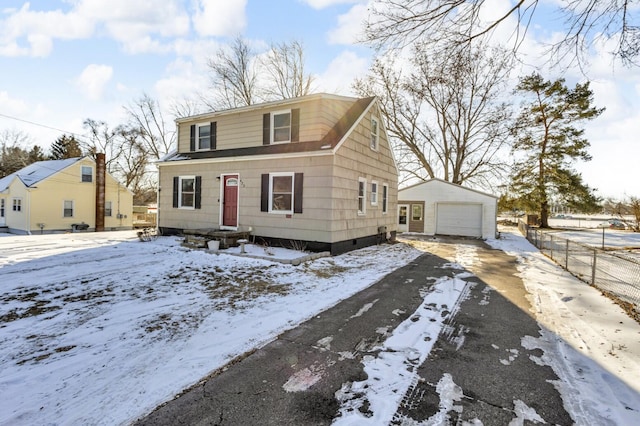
{"x":64,"y":61}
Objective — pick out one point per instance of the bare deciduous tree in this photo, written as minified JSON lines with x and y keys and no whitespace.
{"x":104,"y":140}
{"x":13,"y":152}
{"x":396,"y":23}
{"x":234,"y":76}
{"x":444,"y":114}
{"x":284,"y":64}
{"x":154,"y":134}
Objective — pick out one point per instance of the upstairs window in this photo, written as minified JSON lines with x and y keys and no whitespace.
{"x":374,"y":133}
{"x":87,"y":174}
{"x":203,"y":136}
{"x":281,"y":127}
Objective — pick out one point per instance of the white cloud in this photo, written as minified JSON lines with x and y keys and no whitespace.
{"x":350,"y":26}
{"x":321,"y":4}
{"x":93,"y":80}
{"x":39,"y":28}
{"x":12,"y":106}
{"x":220,"y":17}
{"x":341,"y":72}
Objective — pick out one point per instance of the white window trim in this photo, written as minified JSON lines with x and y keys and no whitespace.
{"x":180,"y":179}
{"x":73,"y":208}
{"x":197,"y":136}
{"x":273,"y":129}
{"x":293,"y":191}
{"x":385,"y":199}
{"x":374,"y":143}
{"x":83,"y":174}
{"x":364,"y":196}
{"x":374,"y":195}
{"x":110,"y":203}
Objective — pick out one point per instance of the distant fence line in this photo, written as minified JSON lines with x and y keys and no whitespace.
{"x":610,"y":272}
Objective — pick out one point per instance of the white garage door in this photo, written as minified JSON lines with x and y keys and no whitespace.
{"x":459,"y":219}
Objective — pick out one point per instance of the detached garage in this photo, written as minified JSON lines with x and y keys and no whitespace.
{"x":439,"y":207}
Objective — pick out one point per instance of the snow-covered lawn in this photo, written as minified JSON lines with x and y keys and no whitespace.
{"x":100,"y":328}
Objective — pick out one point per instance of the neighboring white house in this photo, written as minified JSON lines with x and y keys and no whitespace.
{"x":440,"y":207}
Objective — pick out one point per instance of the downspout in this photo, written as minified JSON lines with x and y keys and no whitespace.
{"x":29,"y":211}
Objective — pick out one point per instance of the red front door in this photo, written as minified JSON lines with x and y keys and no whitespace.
{"x":230,"y":201}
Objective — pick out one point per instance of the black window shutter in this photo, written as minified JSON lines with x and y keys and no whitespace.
{"x":264,"y":195}
{"x":176,"y":184}
{"x":297,"y":192}
{"x":192,"y":138}
{"x":213,"y":133}
{"x":266,"y":129}
{"x":198,"y":194}
{"x":295,"y":125}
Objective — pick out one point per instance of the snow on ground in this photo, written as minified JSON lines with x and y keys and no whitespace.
{"x":612,"y":238}
{"x":590,"y":343}
{"x":100,"y":328}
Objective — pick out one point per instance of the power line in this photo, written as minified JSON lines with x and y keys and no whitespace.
{"x":40,"y":125}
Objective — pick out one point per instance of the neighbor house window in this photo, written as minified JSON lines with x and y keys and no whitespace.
{"x":385,"y":197}
{"x":374,"y":133}
{"x":374,"y":193}
{"x":202,"y":137}
{"x":68,"y":208}
{"x":416,"y":212}
{"x":281,"y":192}
{"x":107,"y":208}
{"x":281,"y":127}
{"x":362,"y":195}
{"x":87,"y":174}
{"x":17,"y":204}
{"x":1,"y":207}
{"x":187,"y":192}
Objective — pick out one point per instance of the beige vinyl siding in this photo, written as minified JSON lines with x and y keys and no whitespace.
{"x":355,"y":159}
{"x":317,"y":117}
{"x":311,"y":224}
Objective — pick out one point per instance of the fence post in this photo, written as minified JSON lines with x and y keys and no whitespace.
{"x":566,"y":259}
{"x":593,"y":267}
{"x":551,"y":246}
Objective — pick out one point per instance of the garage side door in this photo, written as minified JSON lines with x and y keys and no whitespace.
{"x":459,"y":219}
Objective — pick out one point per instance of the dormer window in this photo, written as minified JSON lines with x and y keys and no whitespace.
{"x":281,"y":127}
{"x":203,"y":136}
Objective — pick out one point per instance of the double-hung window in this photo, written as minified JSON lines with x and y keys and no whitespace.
{"x":108,"y":211}
{"x":204,"y":136}
{"x":281,"y":127}
{"x":374,"y":193}
{"x":17,"y":204}
{"x":87,"y":174}
{"x":68,"y":208}
{"x":281,"y":193}
{"x":187,"y":192}
{"x":362,"y":196}
{"x":374,"y":133}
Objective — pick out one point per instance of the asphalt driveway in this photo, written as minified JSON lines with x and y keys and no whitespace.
{"x":479,"y":349}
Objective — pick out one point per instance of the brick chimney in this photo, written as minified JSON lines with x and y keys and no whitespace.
{"x":100,"y":188}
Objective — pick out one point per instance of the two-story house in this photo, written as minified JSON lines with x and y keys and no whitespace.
{"x":316,"y":170}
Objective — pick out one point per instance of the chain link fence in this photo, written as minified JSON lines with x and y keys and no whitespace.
{"x":612,"y":272}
